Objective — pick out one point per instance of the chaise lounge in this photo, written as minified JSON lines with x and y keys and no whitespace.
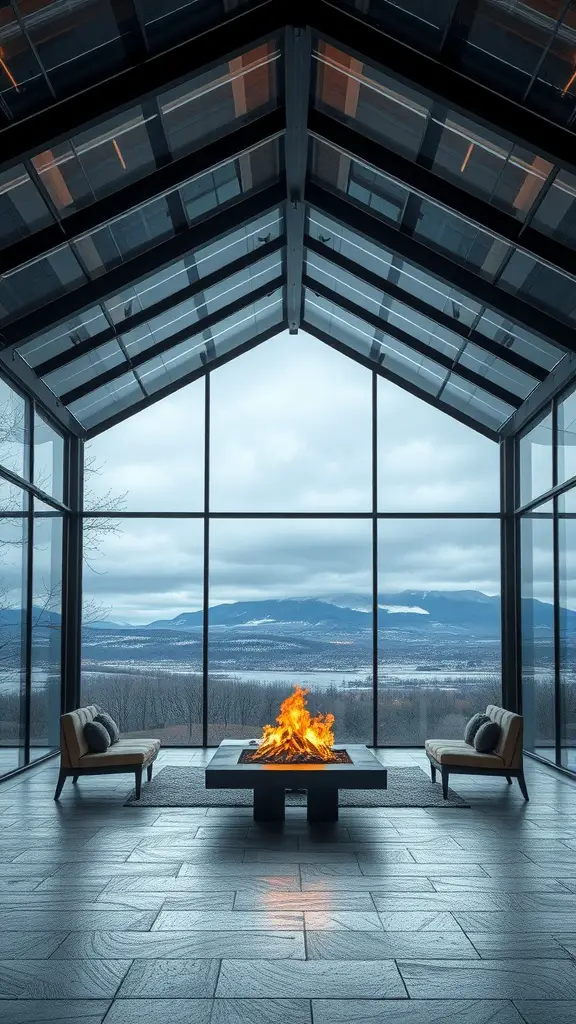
{"x":456,"y":757}
{"x":127,"y":755}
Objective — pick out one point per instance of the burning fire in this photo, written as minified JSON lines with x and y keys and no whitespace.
{"x":298,"y":736}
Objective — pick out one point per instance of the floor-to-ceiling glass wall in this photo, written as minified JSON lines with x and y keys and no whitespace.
{"x":547,"y":523}
{"x":32,"y":460}
{"x":321,"y":500}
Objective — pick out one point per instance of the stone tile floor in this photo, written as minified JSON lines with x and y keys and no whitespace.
{"x":199,"y":916}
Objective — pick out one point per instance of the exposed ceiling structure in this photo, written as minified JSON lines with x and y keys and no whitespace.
{"x":397,"y":179}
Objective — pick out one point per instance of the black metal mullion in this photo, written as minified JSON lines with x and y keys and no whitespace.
{"x":557,"y":639}
{"x":375,"y":609}
{"x":556,"y":585}
{"x":458,"y":30}
{"x":29,"y":432}
{"x":510,"y":608}
{"x":546,"y":51}
{"x":297,"y":60}
{"x":446,"y":362}
{"x":72,"y":580}
{"x":436,"y":316}
{"x":206,"y":567}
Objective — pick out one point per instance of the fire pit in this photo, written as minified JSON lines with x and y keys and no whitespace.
{"x":298,"y":753}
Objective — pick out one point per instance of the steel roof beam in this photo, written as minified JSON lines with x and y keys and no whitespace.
{"x":130,"y":323}
{"x":563,"y":374}
{"x":17,"y":370}
{"x":227,"y":357}
{"x":297,"y":57}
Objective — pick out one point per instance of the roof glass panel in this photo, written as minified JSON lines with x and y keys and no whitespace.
{"x":50,"y":49}
{"x":421,"y":22}
{"x":167,"y":22}
{"x":165,"y":370}
{"x":90,"y":256}
{"x":127,"y":146}
{"x":385,"y":351}
{"x":521,"y":48}
{"x":474,"y":157}
{"x":399,"y":317}
{"x":157,"y":294}
{"x":473,"y":248}
{"x":434,"y":292}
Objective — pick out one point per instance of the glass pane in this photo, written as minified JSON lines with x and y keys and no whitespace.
{"x":151,"y":462}
{"x":192,"y":355}
{"x":66,"y":336}
{"x":421,"y":22}
{"x":490,"y":166}
{"x":46,"y":675}
{"x":75,"y":46}
{"x":34,"y":284}
{"x":48,"y":458}
{"x":567,"y":667}
{"x":369,"y":100}
{"x":142,"y":632}
{"x":291,"y":430}
{"x":555,"y":214}
{"x":428,"y":462}
{"x":350,"y":330}
{"x":536,"y":461}
{"x":22,"y":211}
{"x":14,"y":441}
{"x":438,"y":626}
{"x":204,"y":261}
{"x":290,"y":603}
{"x":199,"y":109}
{"x":96,"y":162}
{"x":13,"y":547}
{"x":567,"y":438}
{"x":538,"y":631}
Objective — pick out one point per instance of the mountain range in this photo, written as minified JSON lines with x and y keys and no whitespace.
{"x":456,"y":612}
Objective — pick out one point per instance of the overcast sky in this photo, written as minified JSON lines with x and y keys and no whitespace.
{"x":291,"y":431}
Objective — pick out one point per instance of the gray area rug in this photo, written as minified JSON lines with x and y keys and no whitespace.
{"x":184,"y":787}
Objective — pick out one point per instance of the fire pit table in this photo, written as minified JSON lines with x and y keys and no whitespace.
{"x":228,"y":770}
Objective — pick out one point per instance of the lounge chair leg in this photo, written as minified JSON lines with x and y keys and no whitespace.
{"x":509,"y":780}
{"x":445,"y":777}
{"x":75,"y":780}
{"x":60,"y":784}
{"x":149,"y":773}
{"x":522,"y":784}
{"x":432,"y":772}
{"x":138,"y":777}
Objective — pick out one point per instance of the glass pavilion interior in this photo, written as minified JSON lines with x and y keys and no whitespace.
{"x":186,"y":183}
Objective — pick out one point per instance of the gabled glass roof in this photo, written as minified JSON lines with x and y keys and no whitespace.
{"x":238,"y":176}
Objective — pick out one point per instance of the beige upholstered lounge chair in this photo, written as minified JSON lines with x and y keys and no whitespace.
{"x":127,"y":755}
{"x":452,"y":757}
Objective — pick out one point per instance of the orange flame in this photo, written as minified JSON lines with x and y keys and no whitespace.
{"x":298,"y":736}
